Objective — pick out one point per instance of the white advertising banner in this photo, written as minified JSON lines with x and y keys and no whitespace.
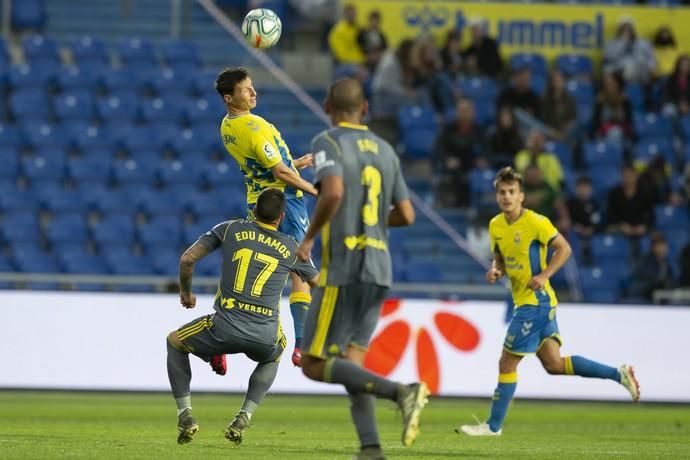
{"x":117,"y":341}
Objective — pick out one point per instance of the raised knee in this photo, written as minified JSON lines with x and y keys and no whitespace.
{"x":311,"y":368}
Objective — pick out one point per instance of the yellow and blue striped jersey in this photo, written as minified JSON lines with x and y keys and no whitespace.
{"x":523,"y":246}
{"x":257,"y":146}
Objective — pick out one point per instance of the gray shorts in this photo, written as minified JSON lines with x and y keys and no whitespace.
{"x":340,"y":317}
{"x":203,"y":338}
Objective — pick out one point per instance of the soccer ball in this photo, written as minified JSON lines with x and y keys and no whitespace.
{"x":261,"y":28}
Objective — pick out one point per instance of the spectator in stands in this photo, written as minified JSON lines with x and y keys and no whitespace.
{"x":676,"y":97}
{"x":583,"y":209}
{"x":457,"y":147}
{"x":653,"y":271}
{"x":629,"y":54}
{"x":450,"y":54}
{"x":630,"y":212}
{"x":435,"y":83}
{"x":342,"y":39}
{"x":654,"y":182}
{"x":393,"y":87}
{"x":372,"y":41}
{"x":558,"y":108}
{"x":520,"y":94}
{"x":482,"y":56}
{"x":540,"y":197}
{"x":534,"y":154}
{"x":504,"y":139}
{"x":684,"y":264}
{"x":665,"y":50}
{"x":612,"y":120}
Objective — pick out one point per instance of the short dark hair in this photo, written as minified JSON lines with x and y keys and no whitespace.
{"x":269,"y":205}
{"x":229,"y":78}
{"x":508,"y":175}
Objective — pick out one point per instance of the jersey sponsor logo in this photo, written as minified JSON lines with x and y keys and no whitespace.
{"x":269,"y":151}
{"x":228,"y":139}
{"x":516,"y":238}
{"x":360,"y":242}
{"x":229,"y":303}
{"x":367,"y":145}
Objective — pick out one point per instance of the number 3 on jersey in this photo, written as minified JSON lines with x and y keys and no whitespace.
{"x":245,"y":257}
{"x":371,"y":177}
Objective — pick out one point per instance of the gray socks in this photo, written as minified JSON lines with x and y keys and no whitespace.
{"x":259,"y":383}
{"x":364,"y":418}
{"x":358,"y":380}
{"x":179,"y":371}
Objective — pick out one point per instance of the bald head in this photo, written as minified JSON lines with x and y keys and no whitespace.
{"x":346,"y":96}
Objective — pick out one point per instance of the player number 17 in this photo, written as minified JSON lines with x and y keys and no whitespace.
{"x":245,"y":256}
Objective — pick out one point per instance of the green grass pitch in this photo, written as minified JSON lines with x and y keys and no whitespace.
{"x":49,"y":425}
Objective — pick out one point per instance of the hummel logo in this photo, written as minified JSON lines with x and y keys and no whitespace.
{"x":526,"y":327}
{"x":304,"y":221}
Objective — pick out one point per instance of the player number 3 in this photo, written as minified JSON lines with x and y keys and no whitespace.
{"x":371,"y":177}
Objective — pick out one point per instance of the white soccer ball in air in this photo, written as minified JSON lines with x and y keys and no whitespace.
{"x":261,"y":28}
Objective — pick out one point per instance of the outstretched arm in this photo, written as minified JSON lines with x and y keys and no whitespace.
{"x":290,"y":177}
{"x":191,"y":256}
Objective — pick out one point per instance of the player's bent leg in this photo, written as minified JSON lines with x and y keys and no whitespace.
{"x":300,"y":300}
{"x":313,"y":367}
{"x":549,"y":355}
{"x":362,"y":411}
{"x":180,"y":376}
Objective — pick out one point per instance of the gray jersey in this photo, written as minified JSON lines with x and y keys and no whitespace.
{"x":256,"y":263}
{"x":355,"y":242}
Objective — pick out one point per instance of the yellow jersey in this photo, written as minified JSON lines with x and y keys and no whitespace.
{"x":523,"y":246}
{"x":257,"y":146}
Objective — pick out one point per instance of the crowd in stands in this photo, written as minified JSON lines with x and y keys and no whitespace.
{"x":605,"y":155}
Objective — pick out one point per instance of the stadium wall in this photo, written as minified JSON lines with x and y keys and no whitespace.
{"x":548,"y":29}
{"x":108,"y":341}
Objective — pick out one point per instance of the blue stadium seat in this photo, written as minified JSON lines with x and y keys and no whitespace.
{"x":418,"y":129}
{"x":18,"y":200}
{"x":604,"y":178}
{"x":485,"y":112}
{"x":22,"y":77}
{"x":166,"y":261}
{"x":40,"y":48}
{"x":652,"y":125}
{"x":130,"y":170}
{"x":610,"y":247}
{"x":28,"y":15}
{"x":161,"y":231}
{"x":68,"y":227}
{"x":535,"y":62}
{"x":139,"y":141}
{"x":117,"y":80}
{"x":669,"y":217}
{"x":168,"y":81}
{"x":476,"y":88}
{"x":20,"y":226}
{"x":647,"y":149}
{"x":39,"y":167}
{"x":121,"y":107}
{"x":74,"y":78}
{"x":43,"y":135}
{"x":93,"y":166}
{"x":186,"y":141}
{"x":218,"y":174}
{"x":603,"y":154}
{"x":582,"y":91}
{"x":129,"y":264}
{"x":161,"y":203}
{"x":597,"y":285}
{"x":209,"y":265}
{"x":114,"y":229}
{"x":10,"y":163}
{"x":635,"y":93}
{"x":180,"y":51}
{"x":29,"y":104}
{"x":110,"y":201}
{"x":34,"y":260}
{"x":135,"y":50}
{"x":64,"y":201}
{"x":74,"y":105}
{"x":89,"y":49}
{"x":562,"y":151}
{"x":88,"y":264}
{"x":9,"y":137}
{"x":574,"y":65}
{"x":178,"y":172}
{"x":159,"y":109}
{"x":4,"y":54}
{"x":203,"y":110}
{"x":482,"y":192}
{"x":422,"y":272}
{"x":89,"y":137}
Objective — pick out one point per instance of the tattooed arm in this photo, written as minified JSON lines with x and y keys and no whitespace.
{"x":190,"y":257}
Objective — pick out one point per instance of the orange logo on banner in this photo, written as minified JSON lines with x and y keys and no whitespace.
{"x":387,"y":348}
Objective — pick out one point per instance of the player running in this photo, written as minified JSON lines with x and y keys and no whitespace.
{"x":257,"y":260}
{"x":361,"y":193}
{"x":265,"y":160}
{"x":519,"y":240}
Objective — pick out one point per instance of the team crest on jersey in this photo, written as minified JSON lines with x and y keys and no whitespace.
{"x":320,"y":161}
{"x":516,"y":238}
{"x":269,"y":151}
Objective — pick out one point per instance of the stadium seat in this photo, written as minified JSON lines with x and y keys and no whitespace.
{"x":20,"y":226}
{"x":10,"y":163}
{"x":43,"y":135}
{"x":218,"y":174}
{"x":110,"y":201}
{"x":40,"y":48}
{"x":597,"y":285}
{"x":68,"y":227}
{"x":30,"y":105}
{"x":603,"y":154}
{"x":117,"y":80}
{"x":610,"y":247}
{"x":535,"y":62}
{"x":180,"y":52}
{"x":176,"y":172}
{"x":636,"y":95}
{"x":114,"y":229}
{"x":169,"y":81}
{"x":74,"y":78}
{"x":34,"y":260}
{"x":158,"y":109}
{"x":74,"y":105}
{"x":39,"y":167}
{"x":87,"y":264}
{"x":129,"y":264}
{"x":166,"y":261}
{"x":422,"y":272}
{"x":574,"y":65}
{"x":22,"y":77}
{"x":161,"y":231}
{"x":209,"y":265}
{"x":604,"y":178}
{"x":86,"y":138}
{"x":121,"y":107}
{"x":479,"y":89}
{"x":94,"y":166}
{"x":161,"y":203}
{"x":582,"y":91}
{"x":9,"y":137}
{"x":28,"y":15}
{"x":562,"y":151}
{"x":134,"y":50}
{"x":652,"y":125}
{"x":89,"y":49}
{"x":141,"y":143}
{"x":203,"y":110}
{"x":667,"y":217}
{"x":19,"y":200}
{"x":482,"y":192}
{"x":418,"y":129}
{"x":131,"y":170}
{"x":647,"y":149}
{"x":64,"y":201}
